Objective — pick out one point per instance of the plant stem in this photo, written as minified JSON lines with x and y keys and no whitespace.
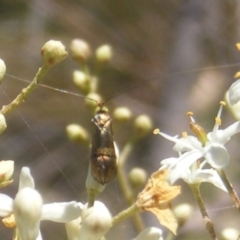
{"x":125,"y":214}
{"x":25,"y":92}
{"x":230,"y":189}
{"x":206,"y":219}
{"x":124,"y":184}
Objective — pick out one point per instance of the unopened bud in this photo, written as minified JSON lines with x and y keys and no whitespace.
{"x":81,"y":81}
{"x":27,"y":208}
{"x":137,"y":177}
{"x":80,"y":50}
{"x":230,"y":233}
{"x":6,"y":172}
{"x":183,"y":213}
{"x":77,"y":134}
{"x":53,"y":52}
{"x":3,"y":124}
{"x":143,"y":125}
{"x":92,"y":99}
{"x":104,"y":53}
{"x":238,"y":46}
{"x":122,"y":114}
{"x":151,"y":233}
{"x":2,"y":69}
{"x":237,"y":75}
{"x":96,"y":221}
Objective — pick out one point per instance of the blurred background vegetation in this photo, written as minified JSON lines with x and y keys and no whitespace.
{"x":161,"y":52}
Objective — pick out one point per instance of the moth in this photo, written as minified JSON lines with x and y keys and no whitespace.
{"x":103,"y":156}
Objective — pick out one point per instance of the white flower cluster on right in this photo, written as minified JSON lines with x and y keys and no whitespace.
{"x":199,"y":151}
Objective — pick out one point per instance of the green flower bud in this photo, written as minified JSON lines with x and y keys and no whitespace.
{"x":137,"y":177}
{"x":77,"y":134}
{"x":230,"y":233}
{"x":53,"y":52}
{"x":122,"y":114}
{"x":3,"y":124}
{"x":92,"y":99}
{"x":80,"y":50}
{"x":82,"y":82}
{"x":143,"y":125}
{"x":2,"y":69}
{"x":104,"y":53}
{"x":183,"y":213}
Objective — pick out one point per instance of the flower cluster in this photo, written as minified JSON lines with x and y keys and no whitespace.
{"x":25,"y":211}
{"x":201,"y":157}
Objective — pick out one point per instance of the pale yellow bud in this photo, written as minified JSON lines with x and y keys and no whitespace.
{"x":182,"y":213}
{"x":2,"y":69}
{"x":122,"y":114}
{"x":137,"y":177}
{"x":151,"y":233}
{"x":81,"y":81}
{"x":80,"y":50}
{"x":77,"y":134}
{"x":104,"y":53}
{"x":6,"y":172}
{"x":3,"y":124}
{"x":92,"y":99}
{"x":53,"y":52}
{"x":143,"y":125}
{"x":230,"y":233}
{"x":238,"y":46}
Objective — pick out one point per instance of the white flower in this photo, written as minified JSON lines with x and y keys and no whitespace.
{"x":210,"y":148}
{"x":28,"y":209}
{"x":193,"y":173}
{"x":151,"y":233}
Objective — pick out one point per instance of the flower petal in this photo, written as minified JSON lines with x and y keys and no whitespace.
{"x":26,"y":179}
{"x":6,"y":206}
{"x":204,"y":175}
{"x":61,"y":212}
{"x":216,"y":155}
{"x":166,"y":218}
{"x":185,"y":161}
{"x":73,"y":229}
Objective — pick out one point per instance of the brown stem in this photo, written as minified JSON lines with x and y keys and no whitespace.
{"x":206,"y":219}
{"x":230,"y":189}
